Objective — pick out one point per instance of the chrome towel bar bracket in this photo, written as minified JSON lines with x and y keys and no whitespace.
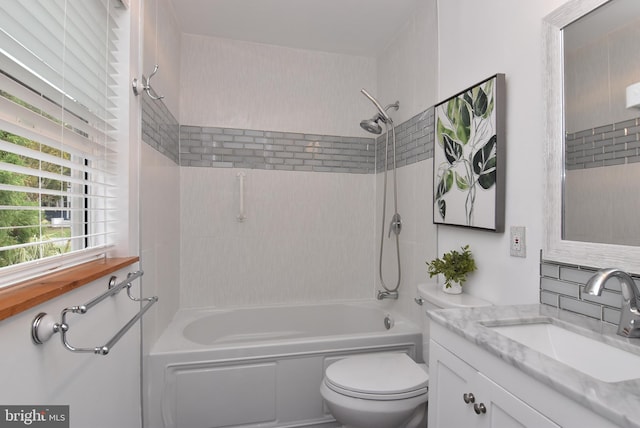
{"x":44,"y":326}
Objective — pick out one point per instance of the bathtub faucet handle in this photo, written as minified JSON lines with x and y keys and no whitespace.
{"x":396,"y":225}
{"x":387,"y":295}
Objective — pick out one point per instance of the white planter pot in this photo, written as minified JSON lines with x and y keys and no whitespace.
{"x":454,"y":289}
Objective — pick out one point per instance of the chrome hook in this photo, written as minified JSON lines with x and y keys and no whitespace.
{"x":146,"y":86}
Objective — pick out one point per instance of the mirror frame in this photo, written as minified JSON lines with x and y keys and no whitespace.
{"x":554,"y":247}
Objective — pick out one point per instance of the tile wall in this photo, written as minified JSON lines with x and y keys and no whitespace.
{"x":260,"y":149}
{"x":212,"y":147}
{"x":414,"y":141}
{"x":284,"y":151}
{"x":613,"y":144}
{"x":562,"y":286}
{"x":160,"y":128}
{"x":212,"y":155}
{"x":160,"y":211}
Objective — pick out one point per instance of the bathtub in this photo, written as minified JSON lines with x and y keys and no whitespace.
{"x":261,"y":366}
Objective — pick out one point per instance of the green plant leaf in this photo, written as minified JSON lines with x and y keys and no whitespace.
{"x":484,"y":163}
{"x":488,"y":90}
{"x":460,"y":118}
{"x":452,"y":110}
{"x":441,"y":131}
{"x":468,"y":97}
{"x":488,"y":87}
{"x":487,"y":180}
{"x":463,"y":130}
{"x":442,"y":208}
{"x":461,"y":182}
{"x":489,"y":110}
{"x":480,"y":103}
{"x":445,"y":184}
{"x":454,"y":265}
{"x":452,"y":149}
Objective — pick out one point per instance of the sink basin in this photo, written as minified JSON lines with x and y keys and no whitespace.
{"x":597,"y":359}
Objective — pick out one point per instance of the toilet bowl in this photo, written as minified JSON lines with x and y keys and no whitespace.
{"x":385,"y":390}
{"x":388,"y":390}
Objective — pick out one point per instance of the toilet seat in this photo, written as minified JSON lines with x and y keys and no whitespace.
{"x":384,"y":376}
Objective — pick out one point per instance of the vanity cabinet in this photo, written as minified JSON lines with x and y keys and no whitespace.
{"x":470,"y":387}
{"x":460,"y":396}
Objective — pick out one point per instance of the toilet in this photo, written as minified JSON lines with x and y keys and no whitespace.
{"x":388,"y":389}
{"x":385,"y":390}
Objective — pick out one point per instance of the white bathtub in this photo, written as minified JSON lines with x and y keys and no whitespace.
{"x":261,"y":366}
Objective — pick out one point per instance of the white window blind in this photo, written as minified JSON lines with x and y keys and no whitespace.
{"x":58,"y":132}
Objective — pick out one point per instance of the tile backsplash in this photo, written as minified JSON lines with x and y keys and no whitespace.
{"x":257,"y":149}
{"x":217,"y":147}
{"x":414,"y":141}
{"x":160,"y":129}
{"x":613,"y":144}
{"x":562,"y":286}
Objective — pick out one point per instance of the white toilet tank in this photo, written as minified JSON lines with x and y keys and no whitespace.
{"x":433,"y":297}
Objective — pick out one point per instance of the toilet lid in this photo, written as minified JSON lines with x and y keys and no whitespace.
{"x":377,"y":376}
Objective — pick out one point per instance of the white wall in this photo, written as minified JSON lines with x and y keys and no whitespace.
{"x":160,"y":176}
{"x":477,"y":40}
{"x":102,"y":391}
{"x":236,"y":84}
{"x":161,"y":42}
{"x":407,"y":72}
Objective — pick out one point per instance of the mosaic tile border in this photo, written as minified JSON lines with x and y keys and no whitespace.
{"x":414,"y":141}
{"x":562,"y":286}
{"x":614,"y":144}
{"x":160,"y":129}
{"x":215,"y":147}
{"x":245,"y":148}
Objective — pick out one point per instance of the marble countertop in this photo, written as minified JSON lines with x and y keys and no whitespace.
{"x":616,"y":401}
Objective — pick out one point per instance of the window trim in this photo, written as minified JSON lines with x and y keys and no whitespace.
{"x":30,"y":293}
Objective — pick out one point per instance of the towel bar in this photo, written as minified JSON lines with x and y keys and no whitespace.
{"x":44,"y":325}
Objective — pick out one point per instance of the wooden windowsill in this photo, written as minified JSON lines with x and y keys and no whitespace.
{"x":25,"y":295}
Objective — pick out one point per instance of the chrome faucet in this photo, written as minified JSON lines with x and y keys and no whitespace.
{"x":629,"y":325}
{"x":387,"y":295}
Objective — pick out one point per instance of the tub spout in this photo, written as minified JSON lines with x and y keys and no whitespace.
{"x":387,"y":295}
{"x":629,"y":325}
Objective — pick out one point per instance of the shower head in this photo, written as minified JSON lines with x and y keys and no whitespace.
{"x":372,"y":125}
{"x":383,"y":111}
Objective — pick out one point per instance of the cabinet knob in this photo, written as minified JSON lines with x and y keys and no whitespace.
{"x":468,"y":398}
{"x":479,"y":408}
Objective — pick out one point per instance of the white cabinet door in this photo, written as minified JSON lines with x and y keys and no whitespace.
{"x":450,"y":379}
{"x":460,"y":396}
{"x":504,"y":410}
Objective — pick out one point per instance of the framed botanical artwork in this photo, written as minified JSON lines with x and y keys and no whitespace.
{"x":469,"y":156}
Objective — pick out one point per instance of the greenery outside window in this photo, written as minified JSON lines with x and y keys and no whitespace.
{"x":60,"y":111}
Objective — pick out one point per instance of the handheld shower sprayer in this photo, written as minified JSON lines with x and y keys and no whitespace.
{"x":373,"y":125}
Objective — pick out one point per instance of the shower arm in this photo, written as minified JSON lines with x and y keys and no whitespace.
{"x":382,"y":111}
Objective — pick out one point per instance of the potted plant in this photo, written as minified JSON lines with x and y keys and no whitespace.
{"x":454,"y":266}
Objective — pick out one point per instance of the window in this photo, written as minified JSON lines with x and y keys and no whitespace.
{"x":59,"y":126}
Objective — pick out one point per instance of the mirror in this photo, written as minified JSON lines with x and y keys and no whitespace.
{"x":601,"y":60}
{"x":589,"y":102}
